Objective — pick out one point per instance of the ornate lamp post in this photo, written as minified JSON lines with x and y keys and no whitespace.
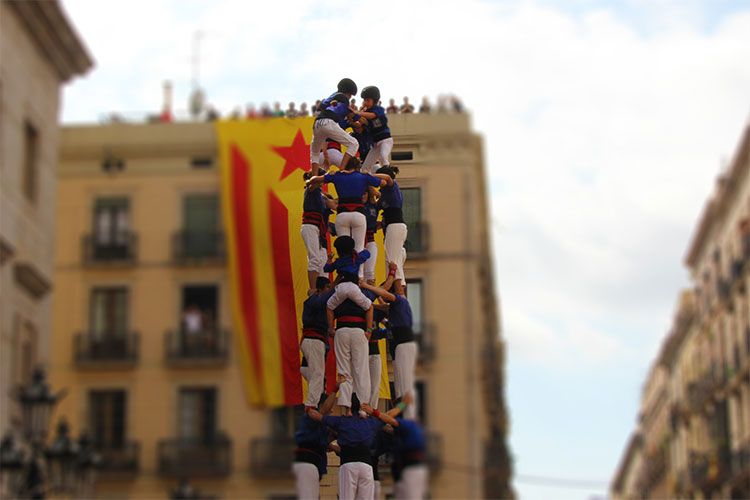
{"x":31,"y":469}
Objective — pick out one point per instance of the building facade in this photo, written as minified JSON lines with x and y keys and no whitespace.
{"x":40,"y":51}
{"x":700,"y":384}
{"x":141,"y":256}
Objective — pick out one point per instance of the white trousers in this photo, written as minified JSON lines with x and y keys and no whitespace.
{"x":369,"y":264}
{"x":334,"y":157}
{"x":413,"y":483}
{"x":316,"y":255}
{"x":403,"y":374}
{"x":315,"y":353}
{"x":375,"y":372}
{"x":379,"y":153}
{"x":395,"y":237}
{"x":352,"y":224}
{"x":356,"y":481}
{"x":325,"y":129}
{"x":306,"y":481}
{"x":350,"y":345}
{"x":351,"y":291}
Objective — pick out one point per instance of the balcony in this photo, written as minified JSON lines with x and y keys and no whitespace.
{"x":198,"y":247}
{"x":425,"y":336}
{"x":106,"y":350}
{"x":119,"y":461}
{"x":271,"y":457}
{"x":203,"y":349}
{"x":117,"y":250}
{"x":417,"y":240}
{"x":210,"y":457}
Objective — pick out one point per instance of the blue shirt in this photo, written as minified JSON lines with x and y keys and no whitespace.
{"x":409,"y":436}
{"x":399,"y":313}
{"x":390,"y":196}
{"x":313,"y":435}
{"x":354,"y":431}
{"x":365,"y":142}
{"x":313,"y":201}
{"x":371,"y":214}
{"x":347,"y":265}
{"x":314,"y":311}
{"x":378,"y":126}
{"x":351,"y":185}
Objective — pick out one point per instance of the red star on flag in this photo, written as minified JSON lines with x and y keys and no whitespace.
{"x":297,"y":155}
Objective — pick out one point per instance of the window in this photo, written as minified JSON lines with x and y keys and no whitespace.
{"x":414,"y":295}
{"x":421,"y":398}
{"x":30,"y":162}
{"x":284,"y":420}
{"x":197,"y":414}
{"x":201,"y":224}
{"x":107,"y":418}
{"x":201,"y":162}
{"x":412,"y":210}
{"x":111,"y":222}
{"x":109,"y":312}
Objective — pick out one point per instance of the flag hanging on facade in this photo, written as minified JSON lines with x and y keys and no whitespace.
{"x":262,"y":162}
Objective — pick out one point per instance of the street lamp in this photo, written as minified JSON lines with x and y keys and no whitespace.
{"x":70,"y":465}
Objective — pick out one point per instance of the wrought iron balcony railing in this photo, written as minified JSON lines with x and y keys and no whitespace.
{"x":207,"y":457}
{"x":208,"y":348}
{"x":425,"y":336}
{"x":106,"y":349}
{"x":116,"y":249}
{"x":119,"y":460}
{"x":198,"y":247}
{"x":271,"y":456}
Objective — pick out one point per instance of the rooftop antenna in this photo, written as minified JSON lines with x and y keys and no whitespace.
{"x":197,"y":96}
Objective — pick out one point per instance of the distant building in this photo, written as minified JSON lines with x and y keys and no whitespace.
{"x":141,"y":246}
{"x":39,"y":52}
{"x":694,"y":423}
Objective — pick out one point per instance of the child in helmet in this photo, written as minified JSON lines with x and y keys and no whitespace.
{"x":377,"y":126}
{"x":335,"y":110}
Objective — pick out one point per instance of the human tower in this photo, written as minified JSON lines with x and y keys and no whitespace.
{"x":352,"y":314}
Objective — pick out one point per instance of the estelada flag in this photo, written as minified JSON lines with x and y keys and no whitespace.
{"x":262,"y":162}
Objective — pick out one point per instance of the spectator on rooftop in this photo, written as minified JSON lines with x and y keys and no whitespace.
{"x":316,"y":108}
{"x":457,"y":105}
{"x":406,"y":107}
{"x":303,"y":110}
{"x":250,"y":111}
{"x":211,"y":113}
{"x":236,"y":113}
{"x":291,"y":111}
{"x":265,"y":110}
{"x":392,"y":109}
{"x":425,"y":106}
{"x":277,"y":111}
{"x":353,"y":103}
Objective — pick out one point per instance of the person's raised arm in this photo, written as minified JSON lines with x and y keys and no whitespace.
{"x":392,"y":267}
{"x":329,"y":402}
{"x":315,"y":415}
{"x":396,"y":410}
{"x":386,"y":180}
{"x":315,"y":181}
{"x":331,"y":320}
{"x":380,"y":292}
{"x":331,"y":203}
{"x":383,"y":417}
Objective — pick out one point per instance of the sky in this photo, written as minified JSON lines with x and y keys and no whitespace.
{"x":605,"y":127}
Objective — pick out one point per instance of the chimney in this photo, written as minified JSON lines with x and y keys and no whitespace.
{"x":166,"y":110}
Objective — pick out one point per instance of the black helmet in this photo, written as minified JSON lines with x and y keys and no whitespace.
{"x":347,"y":86}
{"x":340,"y":97}
{"x":371,"y":92}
